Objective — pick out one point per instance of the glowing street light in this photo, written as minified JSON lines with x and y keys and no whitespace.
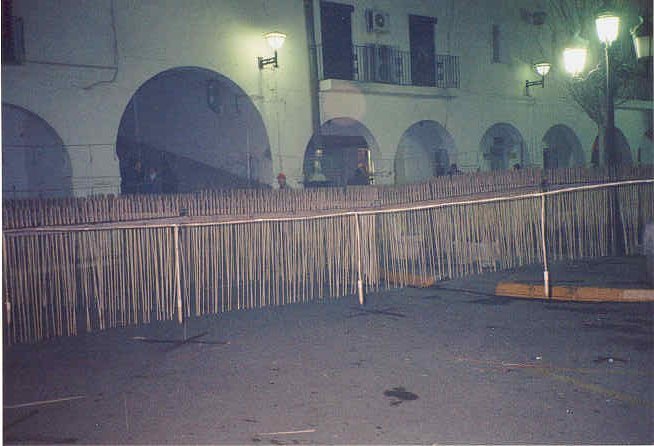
{"x":608,"y":27}
{"x":574,"y":56}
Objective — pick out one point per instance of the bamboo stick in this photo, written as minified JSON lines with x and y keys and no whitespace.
{"x":178,"y":288}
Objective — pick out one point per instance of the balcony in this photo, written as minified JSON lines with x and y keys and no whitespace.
{"x":387,"y":65}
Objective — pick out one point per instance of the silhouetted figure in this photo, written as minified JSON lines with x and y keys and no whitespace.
{"x":152,"y":182}
{"x":360,"y":177}
{"x":517,"y":166}
{"x":168,"y":179}
{"x":595,"y":153}
{"x":133,"y":178}
{"x":454,"y":170}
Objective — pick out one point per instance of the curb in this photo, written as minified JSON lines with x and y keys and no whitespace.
{"x":574,"y":294}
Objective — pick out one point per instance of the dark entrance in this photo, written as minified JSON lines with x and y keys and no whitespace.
{"x":561,"y":148}
{"x":342,"y":159}
{"x":421,"y":39}
{"x":336,"y":25}
{"x":189,"y":129}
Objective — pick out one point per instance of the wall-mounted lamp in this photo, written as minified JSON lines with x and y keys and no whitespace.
{"x":275,"y":40}
{"x":542,"y":68}
{"x":642,"y":35}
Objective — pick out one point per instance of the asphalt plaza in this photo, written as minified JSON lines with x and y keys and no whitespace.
{"x":453,"y":363}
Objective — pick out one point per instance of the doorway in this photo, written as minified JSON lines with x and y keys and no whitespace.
{"x":423,"y":50}
{"x":426,"y":149}
{"x":196,"y":129}
{"x":502,"y":147}
{"x":561,"y":148}
{"x":336,"y":30}
{"x":342,"y":153}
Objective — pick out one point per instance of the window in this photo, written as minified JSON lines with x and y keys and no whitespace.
{"x":495,"y":44}
{"x":13,"y":51}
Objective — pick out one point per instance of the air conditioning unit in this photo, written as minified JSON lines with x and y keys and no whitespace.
{"x":377,"y":21}
{"x":381,"y":64}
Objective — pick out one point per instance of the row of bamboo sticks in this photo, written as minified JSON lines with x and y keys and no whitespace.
{"x":457,"y":241}
{"x":243,"y":266}
{"x":60,"y":282}
{"x":87,"y":210}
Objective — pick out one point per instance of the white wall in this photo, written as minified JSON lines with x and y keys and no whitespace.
{"x":64,"y":37}
{"x":69,"y":48}
{"x":633,"y":122}
{"x":489,"y":93}
{"x":33,"y":157}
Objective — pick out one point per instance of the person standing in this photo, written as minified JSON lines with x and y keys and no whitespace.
{"x":281,"y":181}
{"x":454,"y":170}
{"x":152,"y":182}
{"x":361,"y":177}
{"x":168,"y":179}
{"x":133,"y":180}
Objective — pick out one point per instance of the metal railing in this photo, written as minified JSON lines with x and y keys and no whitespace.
{"x":386,"y":64}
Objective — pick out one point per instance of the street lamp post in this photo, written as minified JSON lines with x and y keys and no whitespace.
{"x":608,"y":26}
{"x":574,"y":57}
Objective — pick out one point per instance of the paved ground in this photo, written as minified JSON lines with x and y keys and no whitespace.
{"x":448,"y":364}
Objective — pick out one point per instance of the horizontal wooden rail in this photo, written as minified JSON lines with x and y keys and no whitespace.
{"x":102,"y":209}
{"x":58,"y":280}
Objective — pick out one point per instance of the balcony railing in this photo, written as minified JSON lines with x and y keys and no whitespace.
{"x":388,"y":65}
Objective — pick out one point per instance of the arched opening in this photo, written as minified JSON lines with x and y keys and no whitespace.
{"x":426,"y":149}
{"x":502,"y":146}
{"x":561,"y":148}
{"x":626,"y":158}
{"x":646,"y":148}
{"x":190,"y":129}
{"x":343,"y":153}
{"x":35,"y":162}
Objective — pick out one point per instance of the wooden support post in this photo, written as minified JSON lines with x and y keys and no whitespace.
{"x":178,"y":279}
{"x":359,"y":275}
{"x":546,"y":273}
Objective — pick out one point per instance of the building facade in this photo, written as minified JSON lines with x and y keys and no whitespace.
{"x":100,"y":95}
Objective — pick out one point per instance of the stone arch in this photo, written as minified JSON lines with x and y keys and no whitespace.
{"x":626,"y":157}
{"x":561,"y":148}
{"x":35,"y":162}
{"x":339,"y":152}
{"x":426,"y":149}
{"x":502,"y":147}
{"x":198,"y":129}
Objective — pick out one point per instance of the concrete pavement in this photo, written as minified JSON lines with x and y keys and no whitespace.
{"x":448,"y":364}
